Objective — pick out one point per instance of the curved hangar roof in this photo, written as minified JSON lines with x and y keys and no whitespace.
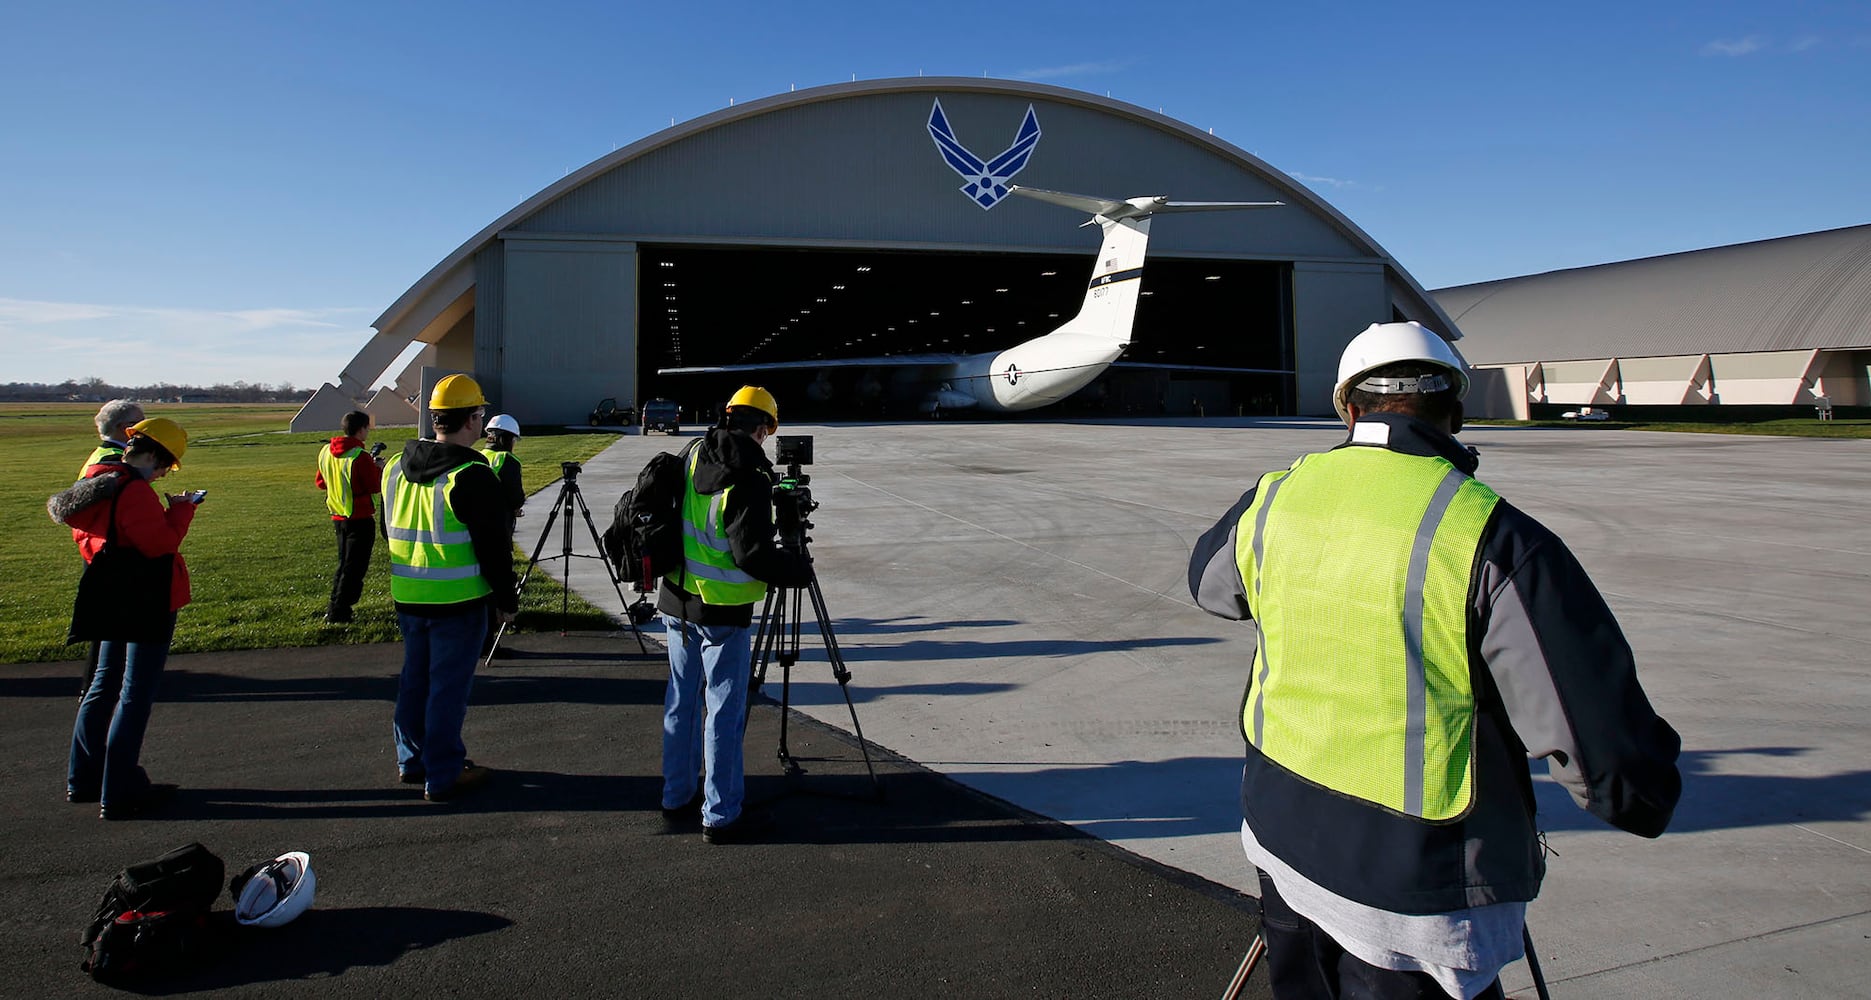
{"x":1793,"y":293}
{"x":854,"y":165}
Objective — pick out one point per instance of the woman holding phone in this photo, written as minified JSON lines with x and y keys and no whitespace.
{"x":127,"y":602}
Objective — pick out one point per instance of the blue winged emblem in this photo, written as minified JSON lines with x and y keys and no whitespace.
{"x":987,"y":180}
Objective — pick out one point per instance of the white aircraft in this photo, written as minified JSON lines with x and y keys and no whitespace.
{"x":1046,"y":369}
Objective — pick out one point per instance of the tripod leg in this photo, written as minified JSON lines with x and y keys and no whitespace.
{"x":789,"y":655}
{"x":1533,"y":963}
{"x":597,"y":542}
{"x":842,"y":674}
{"x":532,"y":562}
{"x":763,"y":647}
{"x":1239,"y":983}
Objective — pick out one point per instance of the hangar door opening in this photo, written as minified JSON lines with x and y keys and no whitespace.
{"x":702,"y":306}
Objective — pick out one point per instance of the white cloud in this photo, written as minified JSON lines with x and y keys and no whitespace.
{"x":1331,"y":182}
{"x":1075,"y":69}
{"x":1738,"y":47}
{"x":1804,"y":42}
{"x":140,"y":345}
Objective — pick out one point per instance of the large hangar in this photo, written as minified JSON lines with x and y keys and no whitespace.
{"x":826,"y":223}
{"x":1772,"y":323}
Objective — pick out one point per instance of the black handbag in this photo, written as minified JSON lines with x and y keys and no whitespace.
{"x":123,"y":595}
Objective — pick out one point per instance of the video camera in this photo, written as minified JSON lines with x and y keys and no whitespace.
{"x":792,"y":495}
{"x":570,"y":470}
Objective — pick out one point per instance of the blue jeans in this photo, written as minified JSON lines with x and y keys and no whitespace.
{"x":708,"y":667}
{"x":439,"y":656}
{"x":107,"y":738}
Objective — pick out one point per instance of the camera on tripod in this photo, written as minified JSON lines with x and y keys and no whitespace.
{"x":570,"y":470}
{"x":792,"y":495}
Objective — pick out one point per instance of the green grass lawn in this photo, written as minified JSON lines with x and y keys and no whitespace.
{"x":260,"y":552}
{"x":1797,"y":427}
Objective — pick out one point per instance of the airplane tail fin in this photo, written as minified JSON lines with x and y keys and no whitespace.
{"x":1110,"y":305}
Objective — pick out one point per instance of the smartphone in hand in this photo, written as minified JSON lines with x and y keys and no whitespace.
{"x":197,"y":496}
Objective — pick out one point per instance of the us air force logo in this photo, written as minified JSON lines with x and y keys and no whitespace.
{"x":987,"y":180}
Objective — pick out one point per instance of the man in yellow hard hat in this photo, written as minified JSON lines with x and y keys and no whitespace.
{"x":1420,"y":639}
{"x":451,"y":556}
{"x":729,"y":558}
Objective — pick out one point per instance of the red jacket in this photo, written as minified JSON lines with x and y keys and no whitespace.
{"x":142,"y":522}
{"x":366,"y":479}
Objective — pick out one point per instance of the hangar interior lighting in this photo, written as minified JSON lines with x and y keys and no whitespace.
{"x":810,"y":307}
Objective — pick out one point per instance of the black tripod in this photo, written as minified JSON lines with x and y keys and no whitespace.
{"x":780,"y":621}
{"x":569,"y":495}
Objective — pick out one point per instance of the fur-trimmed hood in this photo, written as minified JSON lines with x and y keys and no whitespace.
{"x":83,"y":494}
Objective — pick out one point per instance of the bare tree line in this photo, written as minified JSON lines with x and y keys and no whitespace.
{"x":96,"y":390}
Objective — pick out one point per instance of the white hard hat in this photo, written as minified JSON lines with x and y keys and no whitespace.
{"x":504,"y":423}
{"x":1386,"y":343}
{"x":277,"y":892}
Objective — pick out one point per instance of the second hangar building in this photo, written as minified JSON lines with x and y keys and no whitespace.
{"x":827,"y":223}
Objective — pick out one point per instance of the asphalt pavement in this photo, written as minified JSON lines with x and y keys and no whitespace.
{"x":561,"y":878}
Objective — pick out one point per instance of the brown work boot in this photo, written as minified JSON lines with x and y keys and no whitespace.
{"x":470,"y":778}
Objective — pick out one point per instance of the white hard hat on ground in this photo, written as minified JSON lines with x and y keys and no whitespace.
{"x":276,"y":892}
{"x":1387,"y":343}
{"x":504,"y":423}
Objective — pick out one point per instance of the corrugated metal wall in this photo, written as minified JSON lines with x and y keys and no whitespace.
{"x":570,"y":327}
{"x":864,"y":170}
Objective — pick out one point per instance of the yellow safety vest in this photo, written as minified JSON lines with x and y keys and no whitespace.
{"x":1357,"y":566}
{"x":432,"y":557}
{"x":337,"y":472}
{"x":103,"y":452}
{"x":708,"y":563}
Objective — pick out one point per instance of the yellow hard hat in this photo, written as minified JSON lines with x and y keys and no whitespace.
{"x":755,"y":397}
{"x":456,"y":392}
{"x":164,"y":432}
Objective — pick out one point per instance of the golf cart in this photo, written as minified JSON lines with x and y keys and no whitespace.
{"x":609,"y":414}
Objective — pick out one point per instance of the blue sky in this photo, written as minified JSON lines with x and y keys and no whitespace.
{"x":203,"y":192}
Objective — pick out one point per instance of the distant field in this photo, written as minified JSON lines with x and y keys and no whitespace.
{"x":260,"y":553}
{"x":1808,"y":427}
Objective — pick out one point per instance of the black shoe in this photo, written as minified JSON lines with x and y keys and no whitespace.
{"x":338,"y":616}
{"x":415,"y":777}
{"x":687,"y":814}
{"x":79,"y":797}
{"x":470,"y":778}
{"x":151,"y":800}
{"x":750,"y":826}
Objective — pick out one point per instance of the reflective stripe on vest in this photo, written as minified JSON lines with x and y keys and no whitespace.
{"x":432,"y":557}
{"x":337,"y":472}
{"x":708,"y":561}
{"x":103,"y":452}
{"x":1357,"y":565}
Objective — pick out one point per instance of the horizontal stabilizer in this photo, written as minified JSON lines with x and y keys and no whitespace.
{"x":1133,"y":208}
{"x":887,"y":361}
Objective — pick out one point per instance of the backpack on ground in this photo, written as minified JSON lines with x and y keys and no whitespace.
{"x":644,"y":541}
{"x":154,"y":916}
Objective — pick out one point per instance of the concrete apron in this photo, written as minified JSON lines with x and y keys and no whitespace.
{"x":1011,"y":600}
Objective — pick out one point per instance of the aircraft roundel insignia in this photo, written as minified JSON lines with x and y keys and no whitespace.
{"x":1013,"y":374}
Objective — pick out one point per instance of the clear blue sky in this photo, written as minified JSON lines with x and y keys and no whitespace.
{"x":201,"y":192}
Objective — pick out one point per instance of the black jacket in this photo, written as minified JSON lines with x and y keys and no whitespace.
{"x":478,"y":501}
{"x":1553,"y":677}
{"x":732,"y":458}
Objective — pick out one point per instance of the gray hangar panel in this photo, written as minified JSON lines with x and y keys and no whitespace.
{"x":553,"y":282}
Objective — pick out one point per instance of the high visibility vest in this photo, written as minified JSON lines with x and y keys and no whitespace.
{"x":497,"y":459}
{"x":337,"y":472}
{"x":708,"y":563}
{"x":103,"y":452}
{"x":431,"y":553}
{"x":1357,"y":564}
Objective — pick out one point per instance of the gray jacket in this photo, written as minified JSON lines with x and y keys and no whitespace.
{"x":1553,"y":677}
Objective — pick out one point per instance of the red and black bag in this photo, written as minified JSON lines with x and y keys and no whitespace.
{"x":154,"y":917}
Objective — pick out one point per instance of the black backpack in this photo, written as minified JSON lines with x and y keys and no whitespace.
{"x":154,"y":916}
{"x":644,"y":541}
